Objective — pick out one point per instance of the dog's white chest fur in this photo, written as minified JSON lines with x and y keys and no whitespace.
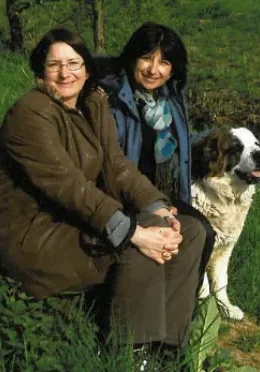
{"x":225,"y":205}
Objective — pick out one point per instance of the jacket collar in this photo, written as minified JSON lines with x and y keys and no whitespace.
{"x":125,"y":95}
{"x":118,"y":85}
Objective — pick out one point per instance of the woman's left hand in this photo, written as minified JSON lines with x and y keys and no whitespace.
{"x":169,"y":216}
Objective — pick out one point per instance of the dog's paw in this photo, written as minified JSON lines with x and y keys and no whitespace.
{"x":231,"y":311}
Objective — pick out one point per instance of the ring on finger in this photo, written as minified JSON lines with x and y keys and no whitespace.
{"x":166,"y":254}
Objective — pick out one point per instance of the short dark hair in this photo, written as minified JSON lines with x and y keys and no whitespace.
{"x":151,"y":36}
{"x":74,"y":40}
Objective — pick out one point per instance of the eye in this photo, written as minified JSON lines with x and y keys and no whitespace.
{"x":165,"y":62}
{"x":236,"y":149}
{"x":52,"y":64}
{"x":74,"y":64}
{"x":146,"y":58}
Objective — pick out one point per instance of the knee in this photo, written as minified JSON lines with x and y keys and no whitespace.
{"x":193,"y":231}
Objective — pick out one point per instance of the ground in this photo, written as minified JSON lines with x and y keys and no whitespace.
{"x":242,"y":340}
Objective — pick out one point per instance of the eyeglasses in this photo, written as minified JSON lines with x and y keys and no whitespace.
{"x":71,"y":66}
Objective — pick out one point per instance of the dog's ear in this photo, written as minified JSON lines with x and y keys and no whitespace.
{"x":255,"y":130}
{"x":208,"y":154}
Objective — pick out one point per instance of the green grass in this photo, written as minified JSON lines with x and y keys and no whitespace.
{"x":57,"y":334}
{"x":245,"y":262}
{"x":222,"y":38}
{"x":15,"y":78}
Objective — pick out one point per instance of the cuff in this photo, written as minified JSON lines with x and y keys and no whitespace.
{"x":120,"y":229}
{"x":117,"y":228}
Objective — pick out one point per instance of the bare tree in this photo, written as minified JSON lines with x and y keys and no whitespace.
{"x":97,"y":7}
{"x":14,"y":11}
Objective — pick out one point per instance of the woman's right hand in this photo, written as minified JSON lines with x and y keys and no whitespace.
{"x":157,"y":243}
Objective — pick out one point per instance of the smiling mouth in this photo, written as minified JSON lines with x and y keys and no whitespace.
{"x":150,"y":78}
{"x":65,"y":84}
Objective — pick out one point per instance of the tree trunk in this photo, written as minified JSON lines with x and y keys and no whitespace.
{"x":15,"y":26}
{"x":98,"y":25}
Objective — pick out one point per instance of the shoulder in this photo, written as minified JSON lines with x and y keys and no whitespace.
{"x":32,"y":111}
{"x":97,"y":95}
{"x":33,"y":98}
{"x":96,"y":104}
{"x":31,"y":102}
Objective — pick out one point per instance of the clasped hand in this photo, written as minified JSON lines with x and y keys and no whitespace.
{"x":158,"y":243}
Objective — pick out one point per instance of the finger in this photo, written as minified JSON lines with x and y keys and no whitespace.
{"x":166,"y":256}
{"x":173,"y":245}
{"x":174,"y":211}
{"x":176,"y":225}
{"x":173,"y":222}
{"x":171,"y":248}
{"x":156,"y":256}
{"x":169,"y":232}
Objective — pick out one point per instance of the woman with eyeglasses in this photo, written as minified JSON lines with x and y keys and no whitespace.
{"x":74,"y":212}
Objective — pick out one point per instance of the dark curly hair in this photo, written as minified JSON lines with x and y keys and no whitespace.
{"x":149,"y":37}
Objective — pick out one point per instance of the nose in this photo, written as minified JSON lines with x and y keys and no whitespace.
{"x":64,"y":71}
{"x":153,"y":67}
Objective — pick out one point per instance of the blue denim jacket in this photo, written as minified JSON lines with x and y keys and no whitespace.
{"x":128,"y":122}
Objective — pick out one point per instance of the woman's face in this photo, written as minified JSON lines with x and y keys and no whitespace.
{"x":152,"y":70}
{"x":65,"y":72}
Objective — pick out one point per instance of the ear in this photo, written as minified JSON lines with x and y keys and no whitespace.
{"x":208,"y":155}
{"x":255,"y":130}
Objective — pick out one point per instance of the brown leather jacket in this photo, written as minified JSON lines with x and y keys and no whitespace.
{"x":60,"y":175}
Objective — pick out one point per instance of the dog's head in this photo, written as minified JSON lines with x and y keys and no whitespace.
{"x":233,"y":151}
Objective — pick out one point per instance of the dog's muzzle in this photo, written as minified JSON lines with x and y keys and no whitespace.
{"x":251,"y":178}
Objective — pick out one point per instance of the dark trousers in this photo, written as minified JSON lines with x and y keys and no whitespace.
{"x":155,"y":302}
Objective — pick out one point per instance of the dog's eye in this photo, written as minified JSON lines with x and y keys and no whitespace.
{"x":237,"y":149}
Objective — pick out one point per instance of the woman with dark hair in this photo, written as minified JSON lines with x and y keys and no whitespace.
{"x":75,"y":213}
{"x":145,"y":87}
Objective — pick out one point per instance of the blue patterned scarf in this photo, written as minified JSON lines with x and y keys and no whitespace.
{"x":157,"y":115}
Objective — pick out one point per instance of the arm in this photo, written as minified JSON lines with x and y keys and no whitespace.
{"x":32,"y":140}
{"x":136,"y":188}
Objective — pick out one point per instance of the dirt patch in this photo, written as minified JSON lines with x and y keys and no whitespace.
{"x":242,"y":339}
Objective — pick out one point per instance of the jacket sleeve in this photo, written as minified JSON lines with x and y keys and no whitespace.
{"x":32,"y":140}
{"x":129,"y":182}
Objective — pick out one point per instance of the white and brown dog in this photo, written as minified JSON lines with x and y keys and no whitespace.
{"x":225,"y":167}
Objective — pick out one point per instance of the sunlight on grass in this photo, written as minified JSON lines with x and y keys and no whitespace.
{"x":222,"y":39}
{"x":245,"y":263}
{"x":15,"y":77}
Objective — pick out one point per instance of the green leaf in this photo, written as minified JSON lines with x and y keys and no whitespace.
{"x":204,"y":332}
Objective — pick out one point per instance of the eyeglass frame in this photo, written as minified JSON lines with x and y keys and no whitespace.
{"x":60,"y":65}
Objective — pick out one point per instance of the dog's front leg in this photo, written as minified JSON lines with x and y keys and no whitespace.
{"x":218,"y":274}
